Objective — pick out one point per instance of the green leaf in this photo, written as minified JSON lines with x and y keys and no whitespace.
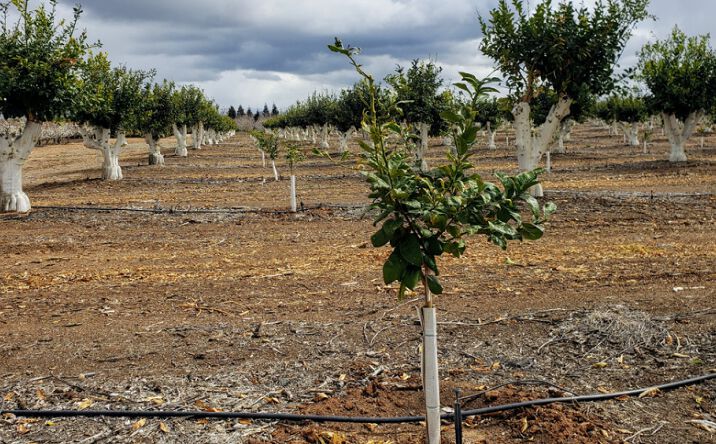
{"x":434,"y":285}
{"x":393,"y":268}
{"x":409,"y":249}
{"x":391,"y":225}
{"x":411,"y":277}
{"x":531,"y":231}
{"x":433,"y":246}
{"x":380,"y":238}
{"x":549,"y":209}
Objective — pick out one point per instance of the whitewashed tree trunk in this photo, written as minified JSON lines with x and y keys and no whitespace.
{"x":263,"y":159}
{"x":324,"y":137}
{"x":98,"y":139}
{"x":678,"y":133}
{"x":155,"y":154}
{"x":180,"y":135}
{"x":565,"y":129}
{"x":197,"y":135}
{"x":631,"y":131}
{"x":491,"y":133}
{"x":421,"y":149}
{"x":275,"y":171}
{"x":14,"y":151}
{"x":343,"y":139}
{"x":531,"y":147}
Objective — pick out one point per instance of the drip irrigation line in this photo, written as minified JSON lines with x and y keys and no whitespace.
{"x":347,"y":419}
{"x":200,"y":211}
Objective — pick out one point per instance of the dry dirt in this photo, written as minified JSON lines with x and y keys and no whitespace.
{"x":207,"y":295}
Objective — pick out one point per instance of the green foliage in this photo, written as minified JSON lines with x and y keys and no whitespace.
{"x":571,"y":49}
{"x":680,"y":72}
{"x":39,"y":60}
{"x":110,"y":97}
{"x":189,"y":105}
{"x":490,"y":111}
{"x":157,"y":114}
{"x":629,"y":109}
{"x":267,"y":142}
{"x":294,"y":155}
{"x":232,"y":112}
{"x":318,"y":109}
{"x":418,"y":94}
{"x":423,"y":215}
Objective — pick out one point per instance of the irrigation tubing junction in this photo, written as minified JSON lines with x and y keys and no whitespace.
{"x":351,"y":419}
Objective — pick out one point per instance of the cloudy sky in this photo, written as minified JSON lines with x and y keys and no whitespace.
{"x":274,"y":51}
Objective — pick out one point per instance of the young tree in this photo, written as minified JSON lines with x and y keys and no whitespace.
{"x":268,"y":144}
{"x":420,"y":100}
{"x":570,"y":50}
{"x":157,"y":117}
{"x":232,"y":112}
{"x":294,"y":155}
{"x":680,"y":72}
{"x":111,"y":106}
{"x":424,"y":215}
{"x":39,"y":58}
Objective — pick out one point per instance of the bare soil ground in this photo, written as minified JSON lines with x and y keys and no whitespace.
{"x":242,"y":307}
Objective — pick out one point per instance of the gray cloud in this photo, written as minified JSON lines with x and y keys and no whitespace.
{"x":239,"y":50}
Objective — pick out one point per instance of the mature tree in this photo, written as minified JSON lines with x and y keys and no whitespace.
{"x":490,"y":116}
{"x":265,"y":112}
{"x":111,"y":106}
{"x":680,"y":72}
{"x":39,"y":59}
{"x":232,"y":112}
{"x":157,"y":117}
{"x":274,"y":110}
{"x":180,"y":106}
{"x":629,"y":111}
{"x":240,"y":111}
{"x":572,"y":50}
{"x":420,"y":99}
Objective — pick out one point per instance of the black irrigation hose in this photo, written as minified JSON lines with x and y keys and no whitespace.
{"x":200,"y":211}
{"x":345,"y":419}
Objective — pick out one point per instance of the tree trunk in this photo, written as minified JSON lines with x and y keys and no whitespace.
{"x":633,"y":133}
{"x":678,"y":133}
{"x":98,"y":139}
{"x":565,"y":129}
{"x":324,"y":137}
{"x":197,"y":135}
{"x":491,"y":137}
{"x":181,"y":140}
{"x":13,"y":154}
{"x":343,"y":140}
{"x":155,"y":154}
{"x":421,"y":148}
{"x":531,"y":147}
{"x":275,"y":171}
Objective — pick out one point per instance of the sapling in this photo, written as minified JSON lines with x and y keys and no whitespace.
{"x":293,"y":156}
{"x":268,"y":144}
{"x":424,"y":215}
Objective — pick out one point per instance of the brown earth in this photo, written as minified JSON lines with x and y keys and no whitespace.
{"x":213,"y":297}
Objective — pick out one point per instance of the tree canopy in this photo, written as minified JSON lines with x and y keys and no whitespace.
{"x":680,"y":73}
{"x":40,"y":57}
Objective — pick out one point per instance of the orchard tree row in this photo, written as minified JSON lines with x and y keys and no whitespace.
{"x":237,"y":113}
{"x":49,"y":71}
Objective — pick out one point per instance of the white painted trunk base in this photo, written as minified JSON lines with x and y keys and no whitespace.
{"x":532,"y":146}
{"x":421,"y":148}
{"x":180,"y":135}
{"x":678,"y":133}
{"x":13,"y":154}
{"x":155,"y":154}
{"x":324,"y":138}
{"x":98,"y":139}
{"x":491,"y":133}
